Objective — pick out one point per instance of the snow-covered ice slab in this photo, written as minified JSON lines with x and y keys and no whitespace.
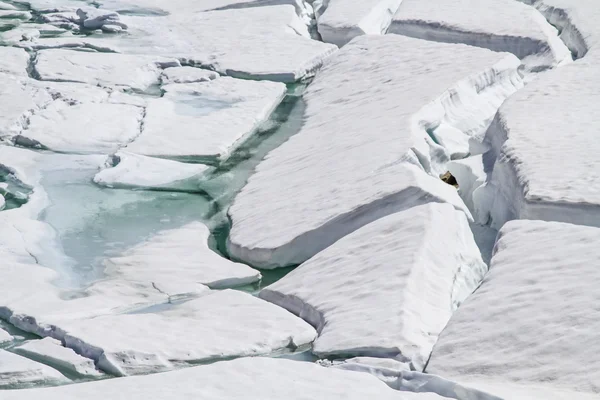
{"x":177,"y":259}
{"x":387,"y":289}
{"x":250,"y":378}
{"x":343,"y":20}
{"x":551,"y":119}
{"x":107,"y":69}
{"x":17,"y":102}
{"x":353,"y":161}
{"x":5,"y":336}
{"x":270,"y":42}
{"x":13,"y":61}
{"x":187,"y":75}
{"x":51,"y":351}
{"x":499,"y":25}
{"x":533,"y":322}
{"x":206,"y":120}
{"x":141,"y":172}
{"x":19,"y":371}
{"x":217,"y":325}
{"x":82,"y":128}
{"x":15,"y":14}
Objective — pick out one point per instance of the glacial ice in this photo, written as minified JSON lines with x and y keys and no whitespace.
{"x":544,"y":138}
{"x":178,"y":259}
{"x":250,"y":378}
{"x":387,"y":289}
{"x":341,"y":171}
{"x":82,"y":128}
{"x":483,"y":23}
{"x":531,"y":325}
{"x":205,"y":120}
{"x":51,"y":351}
{"x":141,"y":172}
{"x":16,"y":370}
{"x":470,"y":175}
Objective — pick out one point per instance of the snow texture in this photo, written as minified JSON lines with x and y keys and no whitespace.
{"x":215,"y":326}
{"x":389,"y":288}
{"x":178,"y":259}
{"x":532,"y":322}
{"x":250,"y":378}
{"x":499,"y":25}
{"x":363,"y":151}
{"x":51,"y":352}
{"x":16,"y":370}
{"x":206,"y":120}
{"x":545,"y":140}
{"x":140,"y":172}
{"x":13,"y":61}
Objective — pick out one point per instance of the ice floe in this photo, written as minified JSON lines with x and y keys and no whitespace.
{"x":205,"y":120}
{"x":17,"y":371}
{"x":499,"y":25}
{"x":364,"y":149}
{"x":217,"y":325}
{"x":177,"y":259}
{"x":129,"y":170}
{"x":13,"y":61}
{"x":82,"y":128}
{"x":544,"y":138}
{"x":387,"y":289}
{"x":252,"y":378}
{"x":107,"y":69}
{"x":187,"y":75}
{"x":51,"y":351}
{"x":531,"y":327}
{"x":343,"y":20}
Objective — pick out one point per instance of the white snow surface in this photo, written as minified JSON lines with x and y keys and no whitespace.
{"x":13,"y":61}
{"x":532,"y":322}
{"x":343,"y":20}
{"x":470,"y":175}
{"x":545,"y":139}
{"x":250,"y":378}
{"x":141,"y":172}
{"x":187,"y":75}
{"x":106,"y":69}
{"x":387,"y":289}
{"x":83,"y":128}
{"x":51,"y":352}
{"x":363,"y":148}
{"x":217,"y":325}
{"x":499,"y":25}
{"x":206,"y":120}
{"x":5,"y":336}
{"x":178,"y":259}
{"x":16,"y":370}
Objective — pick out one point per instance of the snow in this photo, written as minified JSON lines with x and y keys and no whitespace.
{"x":83,"y":128}
{"x":363,"y":150}
{"x":51,"y":352}
{"x":363,"y":303}
{"x":13,"y":61}
{"x":250,"y":378}
{"x":24,"y":15}
{"x":470,"y":175}
{"x":206,"y":120}
{"x":141,"y":172}
{"x":215,"y":326}
{"x":187,"y":75}
{"x":343,"y":20}
{"x":2,"y":202}
{"x":527,"y":181}
{"x":5,"y":336}
{"x":499,"y":25}
{"x":107,"y":69}
{"x":16,"y":371}
{"x":92,"y":18}
{"x":532,"y":322}
{"x":180,"y":258}
{"x":270,"y":42}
